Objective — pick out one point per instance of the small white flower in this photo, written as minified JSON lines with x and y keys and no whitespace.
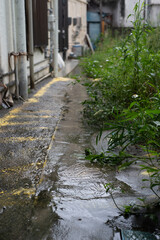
{"x":135,"y":96}
{"x":100,"y":66}
{"x":95,"y":61}
{"x":107,"y":60}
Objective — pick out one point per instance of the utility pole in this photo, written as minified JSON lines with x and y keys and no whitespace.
{"x":21,"y":48}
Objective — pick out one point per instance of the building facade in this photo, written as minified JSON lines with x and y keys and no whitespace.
{"x":28,"y":39}
{"x":116,"y":12}
{"x":15,"y":43}
{"x":77,"y":13}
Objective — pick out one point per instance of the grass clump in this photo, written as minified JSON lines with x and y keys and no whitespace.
{"x":120,"y":70}
{"x":123,"y":84}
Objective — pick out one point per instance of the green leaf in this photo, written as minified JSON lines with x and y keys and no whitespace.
{"x":149,"y":169}
{"x":132,"y":104}
{"x":129,"y":16}
{"x":141,"y":199}
{"x":157,"y":111}
{"x":125,"y":165}
{"x":144,"y":179}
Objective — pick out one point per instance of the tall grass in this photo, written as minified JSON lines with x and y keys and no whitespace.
{"x":123,"y":83}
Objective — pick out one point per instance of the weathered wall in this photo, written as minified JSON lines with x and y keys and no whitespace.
{"x":77,"y":9}
{"x":120,"y":21}
{"x":154,"y":12}
{"x":8,"y":44}
{"x":6,"y":37}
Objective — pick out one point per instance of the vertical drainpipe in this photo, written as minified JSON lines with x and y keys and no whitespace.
{"x":31,"y":48}
{"x":55,"y":55}
{"x":51,"y":21}
{"x":21,"y":47}
{"x":15,"y":49}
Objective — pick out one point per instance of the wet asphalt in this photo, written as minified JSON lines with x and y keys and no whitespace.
{"x":48,"y":191}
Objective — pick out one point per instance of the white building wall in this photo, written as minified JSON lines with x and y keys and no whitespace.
{"x":116,"y":22}
{"x":154,"y":12}
{"x":76,"y":9}
{"x":154,"y":2}
{"x":3,"y":40}
{"x":8,"y":42}
{"x":129,"y":9}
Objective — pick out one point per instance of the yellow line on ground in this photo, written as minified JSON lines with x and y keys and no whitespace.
{"x":18,"y":123}
{"x":42,"y":91}
{"x":26,"y":191}
{"x":35,"y":112}
{"x":26,"y":128}
{"x":32,"y":116}
{"x":5,"y":120}
{"x":20,"y":139}
{"x":17,"y":168}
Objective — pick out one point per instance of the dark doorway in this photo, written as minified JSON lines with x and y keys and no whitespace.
{"x":63,"y":27}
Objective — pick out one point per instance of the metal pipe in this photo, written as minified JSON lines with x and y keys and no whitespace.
{"x":6,"y":74}
{"x":10,"y":84}
{"x":31,"y":45}
{"x":15,"y":49}
{"x":55,"y":55}
{"x":51,"y":21}
{"x":21,"y":47}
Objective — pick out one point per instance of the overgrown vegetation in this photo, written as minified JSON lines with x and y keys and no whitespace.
{"x":123,"y":83}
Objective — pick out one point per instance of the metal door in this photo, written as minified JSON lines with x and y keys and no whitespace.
{"x":63,"y":27}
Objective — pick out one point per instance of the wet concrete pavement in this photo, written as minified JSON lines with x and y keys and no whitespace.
{"x":48,"y":190}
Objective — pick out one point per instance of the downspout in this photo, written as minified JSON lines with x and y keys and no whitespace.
{"x":31,"y":44}
{"x":15,"y":49}
{"x":51,"y":23}
{"x":21,"y":48}
{"x":55,"y":40}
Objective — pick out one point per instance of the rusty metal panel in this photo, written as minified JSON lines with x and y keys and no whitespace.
{"x":40,"y":23}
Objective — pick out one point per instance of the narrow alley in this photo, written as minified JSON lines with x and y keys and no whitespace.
{"x":48,"y":190}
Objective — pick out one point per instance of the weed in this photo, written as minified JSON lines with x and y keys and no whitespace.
{"x":123,"y":82}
